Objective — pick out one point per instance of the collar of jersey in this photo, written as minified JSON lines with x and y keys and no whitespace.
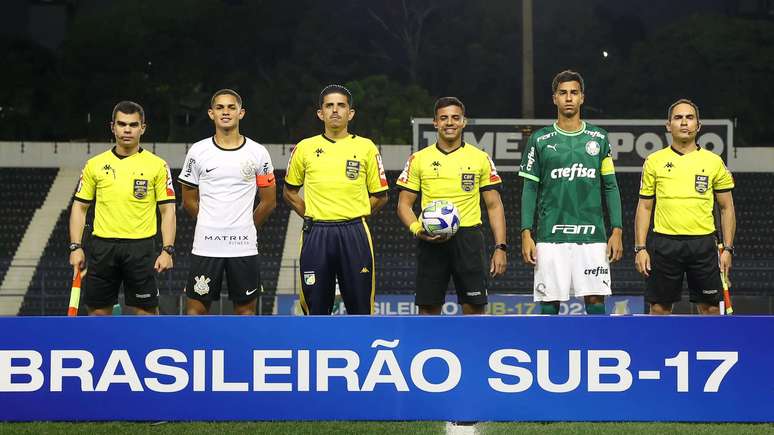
{"x":120,"y":157}
{"x":351,"y":136}
{"x":244,"y":141}
{"x":682,"y":154}
{"x":570,"y":133}
{"x":448,"y":152}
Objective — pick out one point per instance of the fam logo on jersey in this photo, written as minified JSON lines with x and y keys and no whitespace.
{"x":403,"y":177}
{"x":592,"y":148}
{"x":309,"y":278}
{"x":702,"y":183}
{"x":140,"y":188}
{"x":170,"y":187}
{"x":382,"y":175}
{"x":201,"y":285}
{"x":353,"y":169}
{"x":468,"y":182}
{"x":247,"y":170}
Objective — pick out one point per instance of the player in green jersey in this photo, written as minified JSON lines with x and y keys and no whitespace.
{"x":566,"y":168}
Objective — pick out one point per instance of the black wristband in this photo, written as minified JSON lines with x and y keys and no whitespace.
{"x":74,"y":246}
{"x":169,"y":249}
{"x":501,"y":246}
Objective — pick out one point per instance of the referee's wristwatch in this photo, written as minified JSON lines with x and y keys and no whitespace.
{"x":169,"y":249}
{"x":729,"y":249}
{"x":638,"y":248}
{"x":501,"y":246}
{"x":74,"y":247}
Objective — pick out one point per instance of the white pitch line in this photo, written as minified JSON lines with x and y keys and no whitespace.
{"x":453,"y":429}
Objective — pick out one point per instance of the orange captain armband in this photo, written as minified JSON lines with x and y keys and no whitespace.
{"x":264,"y":180}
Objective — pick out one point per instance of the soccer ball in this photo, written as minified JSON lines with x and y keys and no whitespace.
{"x":440,"y":218}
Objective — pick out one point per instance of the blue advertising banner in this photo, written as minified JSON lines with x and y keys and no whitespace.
{"x":403,"y":305}
{"x":537,"y":368}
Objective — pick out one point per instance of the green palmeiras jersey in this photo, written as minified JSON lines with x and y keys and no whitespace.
{"x":569,"y":167}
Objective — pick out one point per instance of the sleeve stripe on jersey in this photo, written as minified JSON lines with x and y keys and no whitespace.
{"x":165,"y":201}
{"x":647,"y":196}
{"x":724,"y":190}
{"x":297,"y":186}
{"x":187,"y":183}
{"x":529,"y":176}
{"x":401,"y":187}
{"x":378,"y":194}
{"x":85,"y":201}
{"x":496,"y":187}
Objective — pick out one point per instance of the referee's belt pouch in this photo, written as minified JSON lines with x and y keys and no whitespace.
{"x":308,"y":222}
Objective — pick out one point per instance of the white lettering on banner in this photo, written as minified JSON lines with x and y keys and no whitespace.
{"x":385,"y":358}
{"x":218,"y":375}
{"x":620,"y":143}
{"x":522,"y":374}
{"x":179,"y":374}
{"x":573,"y":377}
{"x":34,"y":360}
{"x":620,"y":369}
{"x":109,"y":376}
{"x":512,"y":370}
{"x":452,"y":362}
{"x":260,"y":370}
{"x":507,"y":145}
{"x":82,"y":372}
{"x":325,"y":371}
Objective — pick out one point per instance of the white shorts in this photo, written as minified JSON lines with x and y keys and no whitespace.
{"x":570,"y":269}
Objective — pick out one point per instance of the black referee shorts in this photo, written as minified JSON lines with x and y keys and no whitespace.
{"x":672,"y":257}
{"x":116,"y":261}
{"x":462,"y":258}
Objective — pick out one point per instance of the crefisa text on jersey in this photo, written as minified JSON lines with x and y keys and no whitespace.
{"x":508,"y":370}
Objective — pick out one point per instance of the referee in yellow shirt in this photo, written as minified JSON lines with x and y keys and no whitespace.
{"x":684,"y":180}
{"x":461,"y":173}
{"x":126,"y":184}
{"x":344,"y":183}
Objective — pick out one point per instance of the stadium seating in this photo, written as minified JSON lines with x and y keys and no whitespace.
{"x":23,"y":191}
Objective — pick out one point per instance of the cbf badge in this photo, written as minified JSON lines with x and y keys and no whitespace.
{"x":140,"y":189}
{"x":468,"y":182}
{"x":353,"y":168}
{"x":702,"y":183}
{"x":309,"y":278}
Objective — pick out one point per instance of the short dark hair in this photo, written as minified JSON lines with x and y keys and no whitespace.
{"x":682,"y":101}
{"x":336,"y":89}
{"x":225,"y":91}
{"x":128,"y":107}
{"x":566,"y":76}
{"x":446,"y":102}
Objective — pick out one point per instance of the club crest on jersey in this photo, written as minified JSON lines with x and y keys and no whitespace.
{"x":468,"y":182}
{"x":247,"y":170}
{"x":702,"y":183}
{"x":140,"y":188}
{"x":353,"y":169}
{"x":592,"y":148}
{"x":309,"y":278}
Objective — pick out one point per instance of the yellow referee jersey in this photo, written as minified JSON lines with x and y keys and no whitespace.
{"x":125,"y":191}
{"x":457,"y":176}
{"x":337,"y":175}
{"x":684,"y":186}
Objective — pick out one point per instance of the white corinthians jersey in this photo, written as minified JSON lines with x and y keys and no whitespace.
{"x":227,"y":181}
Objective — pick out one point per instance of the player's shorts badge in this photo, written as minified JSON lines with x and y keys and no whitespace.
{"x":468,"y":182}
{"x":592,"y":148}
{"x":201,"y":285}
{"x":309,"y":278}
{"x":140,"y":189}
{"x":353,"y":169}
{"x":702,"y":183}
